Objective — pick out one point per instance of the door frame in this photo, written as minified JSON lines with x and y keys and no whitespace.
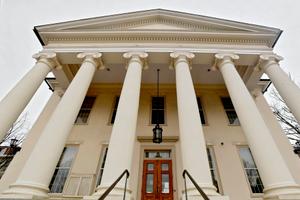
{"x":172,"y":149}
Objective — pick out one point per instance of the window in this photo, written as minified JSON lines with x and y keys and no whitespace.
{"x":152,"y":154}
{"x":4,"y":162}
{"x":251,"y":170}
{"x":102,"y":164}
{"x":62,"y":169}
{"x":212,"y":167}
{"x":114,"y":112}
{"x":158,"y":110}
{"x":85,"y":110}
{"x":201,"y":111}
{"x":230,"y":112}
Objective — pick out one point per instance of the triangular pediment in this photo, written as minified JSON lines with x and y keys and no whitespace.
{"x":154,"y":21}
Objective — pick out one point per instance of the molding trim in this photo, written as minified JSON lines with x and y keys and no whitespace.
{"x":166,"y":139}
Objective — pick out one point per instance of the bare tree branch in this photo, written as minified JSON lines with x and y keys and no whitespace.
{"x":285,"y":117}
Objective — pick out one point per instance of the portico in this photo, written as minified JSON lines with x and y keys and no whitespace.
{"x":199,"y":57}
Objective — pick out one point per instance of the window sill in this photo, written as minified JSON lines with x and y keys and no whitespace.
{"x":80,"y":124}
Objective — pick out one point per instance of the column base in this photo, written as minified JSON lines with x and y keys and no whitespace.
{"x":282,"y":191}
{"x":285,"y":197}
{"x":210,"y":191}
{"x":25,"y":190}
{"x":116,"y":194}
{"x":199,"y":197}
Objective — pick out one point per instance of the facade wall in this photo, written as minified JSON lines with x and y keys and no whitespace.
{"x":93,"y":137}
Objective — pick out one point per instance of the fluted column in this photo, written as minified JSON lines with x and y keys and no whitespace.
{"x":12,"y":105}
{"x":35,"y":177}
{"x":287,"y":89}
{"x":123,"y":135}
{"x":192,"y":141}
{"x":274,"y":172}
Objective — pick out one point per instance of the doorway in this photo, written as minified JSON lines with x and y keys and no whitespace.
{"x":157,"y":181}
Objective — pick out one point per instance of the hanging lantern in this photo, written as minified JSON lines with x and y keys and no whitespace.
{"x":157,"y":134}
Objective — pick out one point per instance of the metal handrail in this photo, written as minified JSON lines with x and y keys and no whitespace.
{"x":185,"y":172}
{"x":114,"y":184}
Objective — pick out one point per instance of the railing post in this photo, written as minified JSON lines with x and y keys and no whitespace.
{"x":102,"y":197}
{"x":205,"y":197}
{"x":185,"y":189}
{"x":127,"y":174}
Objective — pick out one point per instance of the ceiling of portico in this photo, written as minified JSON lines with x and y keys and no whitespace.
{"x":201,"y":68}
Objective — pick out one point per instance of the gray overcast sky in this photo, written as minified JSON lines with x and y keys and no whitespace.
{"x":18,"y":17}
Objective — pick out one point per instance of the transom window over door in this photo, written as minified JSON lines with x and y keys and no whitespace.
{"x":157,"y":154}
{"x":158,"y":110}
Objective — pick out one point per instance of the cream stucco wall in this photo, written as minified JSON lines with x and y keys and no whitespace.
{"x":92,"y":137}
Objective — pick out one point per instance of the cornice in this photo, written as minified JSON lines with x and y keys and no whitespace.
{"x":121,"y":38}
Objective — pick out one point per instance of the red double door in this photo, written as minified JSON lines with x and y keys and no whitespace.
{"x":157,"y":180}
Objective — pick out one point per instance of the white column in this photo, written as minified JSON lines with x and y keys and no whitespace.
{"x":123,"y":136}
{"x":12,"y":105}
{"x":275,"y":174}
{"x":36,"y":175}
{"x":287,"y":89}
{"x":192,"y":141}
{"x":283,"y":144}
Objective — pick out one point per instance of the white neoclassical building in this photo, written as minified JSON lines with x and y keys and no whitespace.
{"x":99,"y":120}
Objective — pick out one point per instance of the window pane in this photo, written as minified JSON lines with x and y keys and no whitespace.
{"x":157,"y":154}
{"x":212,"y":166}
{"x":227,"y":103}
{"x":85,"y":110}
{"x":4,"y":162}
{"x":113,"y":116}
{"x":230,"y":112}
{"x":102,"y":160}
{"x":158,"y":117}
{"x":158,"y":103}
{"x":165,"y":183}
{"x":202,"y":117}
{"x":158,"y":110}
{"x":88,"y":102}
{"x":251,"y":170}
{"x":232,"y":117}
{"x":62,"y":169}
{"x":149,"y":183}
{"x":165,"y":166}
{"x":201,"y":112}
{"x":150,"y":166}
{"x":82,"y":116}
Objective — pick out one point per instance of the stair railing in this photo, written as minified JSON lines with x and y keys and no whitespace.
{"x":126,"y":172}
{"x":185,"y":172}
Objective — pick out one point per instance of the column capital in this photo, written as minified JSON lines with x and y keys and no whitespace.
{"x":223,"y":58}
{"x":92,"y":57}
{"x":265,"y":60}
{"x":181,"y":56}
{"x":140,"y":57}
{"x":48,"y":58}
